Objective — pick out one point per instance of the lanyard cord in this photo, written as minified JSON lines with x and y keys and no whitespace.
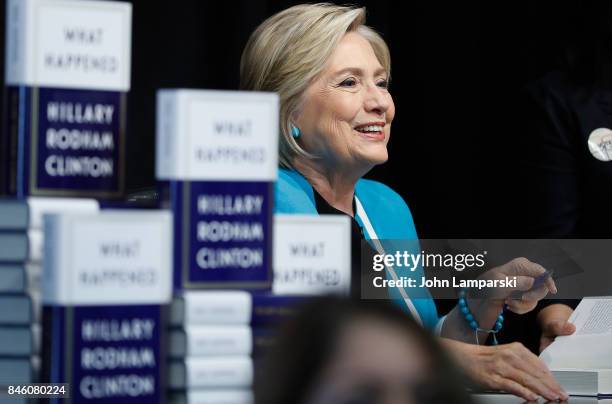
{"x":360,"y":213}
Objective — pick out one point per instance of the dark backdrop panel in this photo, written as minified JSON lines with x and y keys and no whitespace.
{"x":456,"y":69}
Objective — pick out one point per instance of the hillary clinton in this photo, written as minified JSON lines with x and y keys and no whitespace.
{"x":332,"y":75}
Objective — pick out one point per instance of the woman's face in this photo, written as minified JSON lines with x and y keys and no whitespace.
{"x":374,"y":363}
{"x":347,"y":111}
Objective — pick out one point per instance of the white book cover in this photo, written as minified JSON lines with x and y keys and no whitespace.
{"x":69,"y":44}
{"x":216,"y":135}
{"x":105,"y":279}
{"x":114,"y":257}
{"x":312,"y":255}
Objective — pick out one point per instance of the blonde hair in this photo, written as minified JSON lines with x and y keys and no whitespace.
{"x":291,"y":48}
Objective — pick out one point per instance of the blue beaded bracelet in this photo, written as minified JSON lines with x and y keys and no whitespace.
{"x":473,"y":323}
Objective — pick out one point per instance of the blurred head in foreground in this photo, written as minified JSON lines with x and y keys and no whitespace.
{"x":352,"y":352}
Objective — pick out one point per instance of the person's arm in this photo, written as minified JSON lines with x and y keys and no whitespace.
{"x":510,"y":367}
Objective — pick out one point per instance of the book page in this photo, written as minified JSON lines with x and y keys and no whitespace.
{"x":590,"y":347}
{"x":593,"y":317}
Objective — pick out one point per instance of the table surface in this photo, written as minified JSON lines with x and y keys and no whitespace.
{"x":507,"y":399}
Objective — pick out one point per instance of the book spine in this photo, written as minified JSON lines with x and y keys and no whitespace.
{"x":21,"y":310}
{"x":212,"y":308}
{"x":17,"y":110}
{"x":13,"y":279}
{"x":272,"y":310}
{"x":264,"y":339}
{"x":18,"y":371}
{"x":218,"y":372}
{"x":19,"y":341}
{"x":52,"y":241}
{"x":238,"y":396}
{"x":196,"y":341}
{"x":167,"y":123}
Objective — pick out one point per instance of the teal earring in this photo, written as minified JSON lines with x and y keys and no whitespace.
{"x":295,"y":132}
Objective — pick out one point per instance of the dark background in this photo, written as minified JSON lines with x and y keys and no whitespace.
{"x":456,"y":70}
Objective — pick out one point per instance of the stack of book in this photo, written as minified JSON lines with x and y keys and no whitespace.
{"x":217,"y":155}
{"x":106,"y":277}
{"x":217,"y":338}
{"x":21,"y":245}
{"x":67,"y":76}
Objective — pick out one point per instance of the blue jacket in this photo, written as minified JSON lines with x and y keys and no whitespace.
{"x":388,"y":214}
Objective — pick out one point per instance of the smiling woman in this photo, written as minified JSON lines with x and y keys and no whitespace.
{"x":331,"y":73}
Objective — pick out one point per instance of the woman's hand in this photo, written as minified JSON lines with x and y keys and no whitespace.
{"x":510,"y":367}
{"x":487,"y":304}
{"x":553,"y":321}
{"x":520,"y":299}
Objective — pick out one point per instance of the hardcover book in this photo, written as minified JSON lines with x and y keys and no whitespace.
{"x":27,"y":214}
{"x":312,"y":255}
{"x":211,"y":372}
{"x":21,"y":247}
{"x":24,"y":309}
{"x":20,"y":341}
{"x":211,"y":340}
{"x":105,"y":278}
{"x":232,"y":307}
{"x":217,"y":151}
{"x":20,"y":278}
{"x":213,"y":396}
{"x":19,"y":370}
{"x":582,"y":362}
{"x":67,"y":75}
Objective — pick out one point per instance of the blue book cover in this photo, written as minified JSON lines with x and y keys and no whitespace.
{"x":65,"y":101}
{"x":272,"y":310}
{"x":218,"y":153}
{"x":222,"y":234}
{"x":106,"y":277}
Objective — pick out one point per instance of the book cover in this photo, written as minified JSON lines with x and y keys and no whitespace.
{"x":67,"y":74}
{"x":217,"y":150}
{"x":105,"y":279}
{"x":222,"y":234}
{"x":312,"y":255}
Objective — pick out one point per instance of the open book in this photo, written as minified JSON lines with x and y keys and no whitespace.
{"x":582,"y":362}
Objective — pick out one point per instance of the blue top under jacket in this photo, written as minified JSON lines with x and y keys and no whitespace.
{"x":387,"y":212}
